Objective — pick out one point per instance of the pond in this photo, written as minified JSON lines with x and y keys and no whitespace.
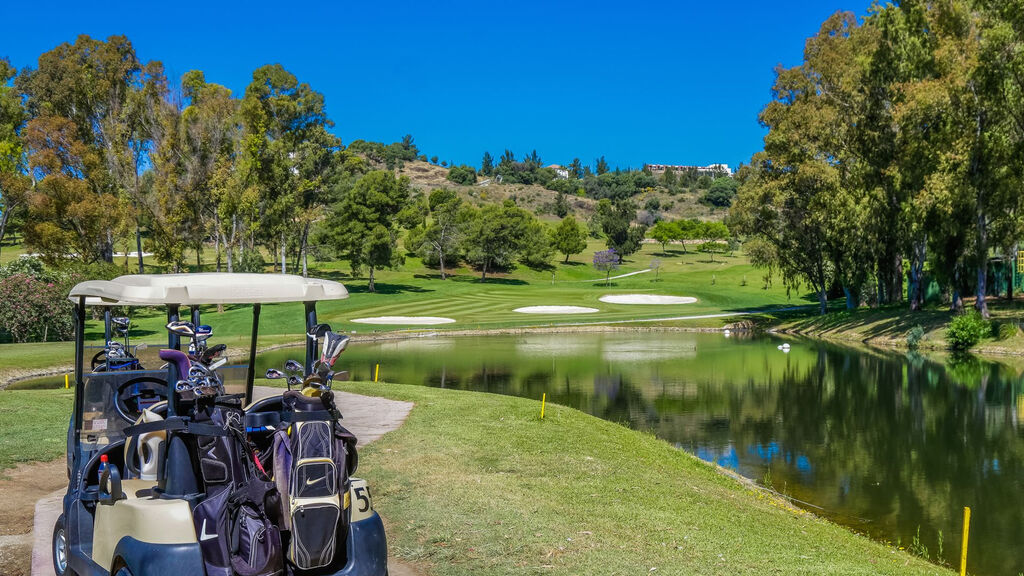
{"x":889,"y":445}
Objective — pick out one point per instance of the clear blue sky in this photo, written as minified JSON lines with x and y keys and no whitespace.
{"x":655,"y":82}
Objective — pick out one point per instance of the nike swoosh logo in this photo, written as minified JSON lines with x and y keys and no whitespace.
{"x":311,"y":482}
{"x":203,"y":535}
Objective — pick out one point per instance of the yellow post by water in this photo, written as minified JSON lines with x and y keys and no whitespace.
{"x":66,"y":383}
{"x":963,"y":549}
{"x":543,"y":400}
{"x":376,"y":372}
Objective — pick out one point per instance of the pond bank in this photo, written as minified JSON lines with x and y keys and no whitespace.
{"x":478,"y":483}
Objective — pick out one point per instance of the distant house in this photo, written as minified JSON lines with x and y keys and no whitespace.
{"x":712,"y":170}
{"x":561,"y":172}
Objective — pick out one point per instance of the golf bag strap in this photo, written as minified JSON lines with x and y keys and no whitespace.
{"x":320,"y":415}
{"x":176,"y":425}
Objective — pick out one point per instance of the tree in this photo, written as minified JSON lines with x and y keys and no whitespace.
{"x":363,"y":225}
{"x":686,"y":230}
{"x":615,"y":221}
{"x":606,"y":261}
{"x":443,"y":236}
{"x":601,"y":166}
{"x":569,"y":237}
{"x":487,"y":165}
{"x":668,"y":178}
{"x":496,"y":236}
{"x":576,"y":168}
{"x":433,"y":159}
{"x":13,"y":183}
{"x":721,"y":192}
{"x":664,"y":232}
{"x":712,"y":233}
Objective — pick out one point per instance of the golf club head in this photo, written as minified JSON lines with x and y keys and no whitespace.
{"x":182,"y":328}
{"x":274,"y":374}
{"x":334,"y":345}
{"x":183,"y":386}
{"x":121,"y":322}
{"x":318,"y":331}
{"x":293,"y":366}
{"x":294,"y":381}
{"x":142,"y":346}
{"x":204,"y":331}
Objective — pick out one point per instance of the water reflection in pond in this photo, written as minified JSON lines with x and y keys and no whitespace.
{"x":883,"y":443}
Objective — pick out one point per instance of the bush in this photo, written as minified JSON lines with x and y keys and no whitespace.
{"x":33,"y":310}
{"x":967,"y":330}
{"x":1004,"y":330}
{"x":251,"y":261}
{"x":465,"y":175}
{"x":914,"y":337}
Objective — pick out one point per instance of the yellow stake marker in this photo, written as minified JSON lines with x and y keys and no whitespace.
{"x":66,"y":384}
{"x":376,"y":372}
{"x":963,"y":549}
{"x":543,"y":400}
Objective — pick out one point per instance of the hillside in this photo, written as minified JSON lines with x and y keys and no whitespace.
{"x":426,"y":176}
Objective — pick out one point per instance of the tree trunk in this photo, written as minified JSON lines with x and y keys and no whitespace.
{"x":916,"y":290}
{"x":822,"y":301}
{"x":850,"y":304}
{"x":982,"y":267}
{"x":3,"y":224}
{"x":483,"y":276}
{"x":566,"y":259}
{"x":372,"y":287}
{"x":138,"y":244}
{"x":440,"y":257}
{"x":302,"y":250}
{"x":227,"y":250}
{"x":284,"y":269}
{"x":199,"y":260}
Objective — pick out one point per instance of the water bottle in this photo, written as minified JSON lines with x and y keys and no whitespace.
{"x":103,"y":466}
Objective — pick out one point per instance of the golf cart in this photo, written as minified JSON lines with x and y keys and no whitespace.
{"x":177,"y":470}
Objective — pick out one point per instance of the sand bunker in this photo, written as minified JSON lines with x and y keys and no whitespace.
{"x":409,"y":320}
{"x":556,"y":310}
{"x":645,"y":299}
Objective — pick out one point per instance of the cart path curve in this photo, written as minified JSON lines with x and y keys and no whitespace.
{"x":367,"y":417}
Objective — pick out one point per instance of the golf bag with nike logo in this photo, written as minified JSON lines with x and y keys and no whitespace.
{"x":312,"y":465}
{"x":234,"y":522}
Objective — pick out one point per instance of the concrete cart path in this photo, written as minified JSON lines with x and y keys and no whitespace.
{"x":367,"y":417}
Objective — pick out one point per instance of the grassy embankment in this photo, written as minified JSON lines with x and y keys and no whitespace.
{"x":477,"y":483}
{"x":888,"y":326}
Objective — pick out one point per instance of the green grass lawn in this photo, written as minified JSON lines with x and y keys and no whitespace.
{"x":477,"y":484}
{"x":33,"y":425}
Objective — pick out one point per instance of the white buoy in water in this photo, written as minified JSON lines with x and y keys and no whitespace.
{"x":727,"y":333}
{"x":784,"y":347}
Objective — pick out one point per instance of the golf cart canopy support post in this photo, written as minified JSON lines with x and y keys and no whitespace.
{"x":310,"y":341}
{"x":79,"y":378}
{"x":195,"y":315}
{"x":106,"y":325}
{"x":251,"y":372}
{"x":173,"y":342}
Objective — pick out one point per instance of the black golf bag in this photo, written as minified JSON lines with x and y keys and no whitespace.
{"x":236,"y":522}
{"x":313,"y":461}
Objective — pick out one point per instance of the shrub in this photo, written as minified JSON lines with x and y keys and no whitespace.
{"x":966,"y":330}
{"x":465,"y":175}
{"x":35,"y":310}
{"x":914,"y":337}
{"x":251,"y":261}
{"x":1004,"y":330}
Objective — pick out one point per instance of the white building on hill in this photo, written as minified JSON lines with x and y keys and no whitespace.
{"x":709,"y":170}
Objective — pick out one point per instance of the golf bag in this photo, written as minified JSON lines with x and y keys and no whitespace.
{"x":312,"y":465}
{"x":235,"y":522}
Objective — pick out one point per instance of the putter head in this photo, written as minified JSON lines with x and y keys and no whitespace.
{"x":294,"y":366}
{"x":274,"y":374}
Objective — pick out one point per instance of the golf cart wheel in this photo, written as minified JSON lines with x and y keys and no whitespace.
{"x":60,"y":549}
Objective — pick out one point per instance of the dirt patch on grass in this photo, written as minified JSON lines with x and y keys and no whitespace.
{"x":21,"y":487}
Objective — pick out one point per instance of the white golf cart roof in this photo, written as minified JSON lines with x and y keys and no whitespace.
{"x":205,"y":288}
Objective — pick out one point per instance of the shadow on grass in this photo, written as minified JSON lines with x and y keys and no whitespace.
{"x":498,"y":281}
{"x":386,"y":288}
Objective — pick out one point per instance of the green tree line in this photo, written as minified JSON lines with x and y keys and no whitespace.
{"x":894,"y":149}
